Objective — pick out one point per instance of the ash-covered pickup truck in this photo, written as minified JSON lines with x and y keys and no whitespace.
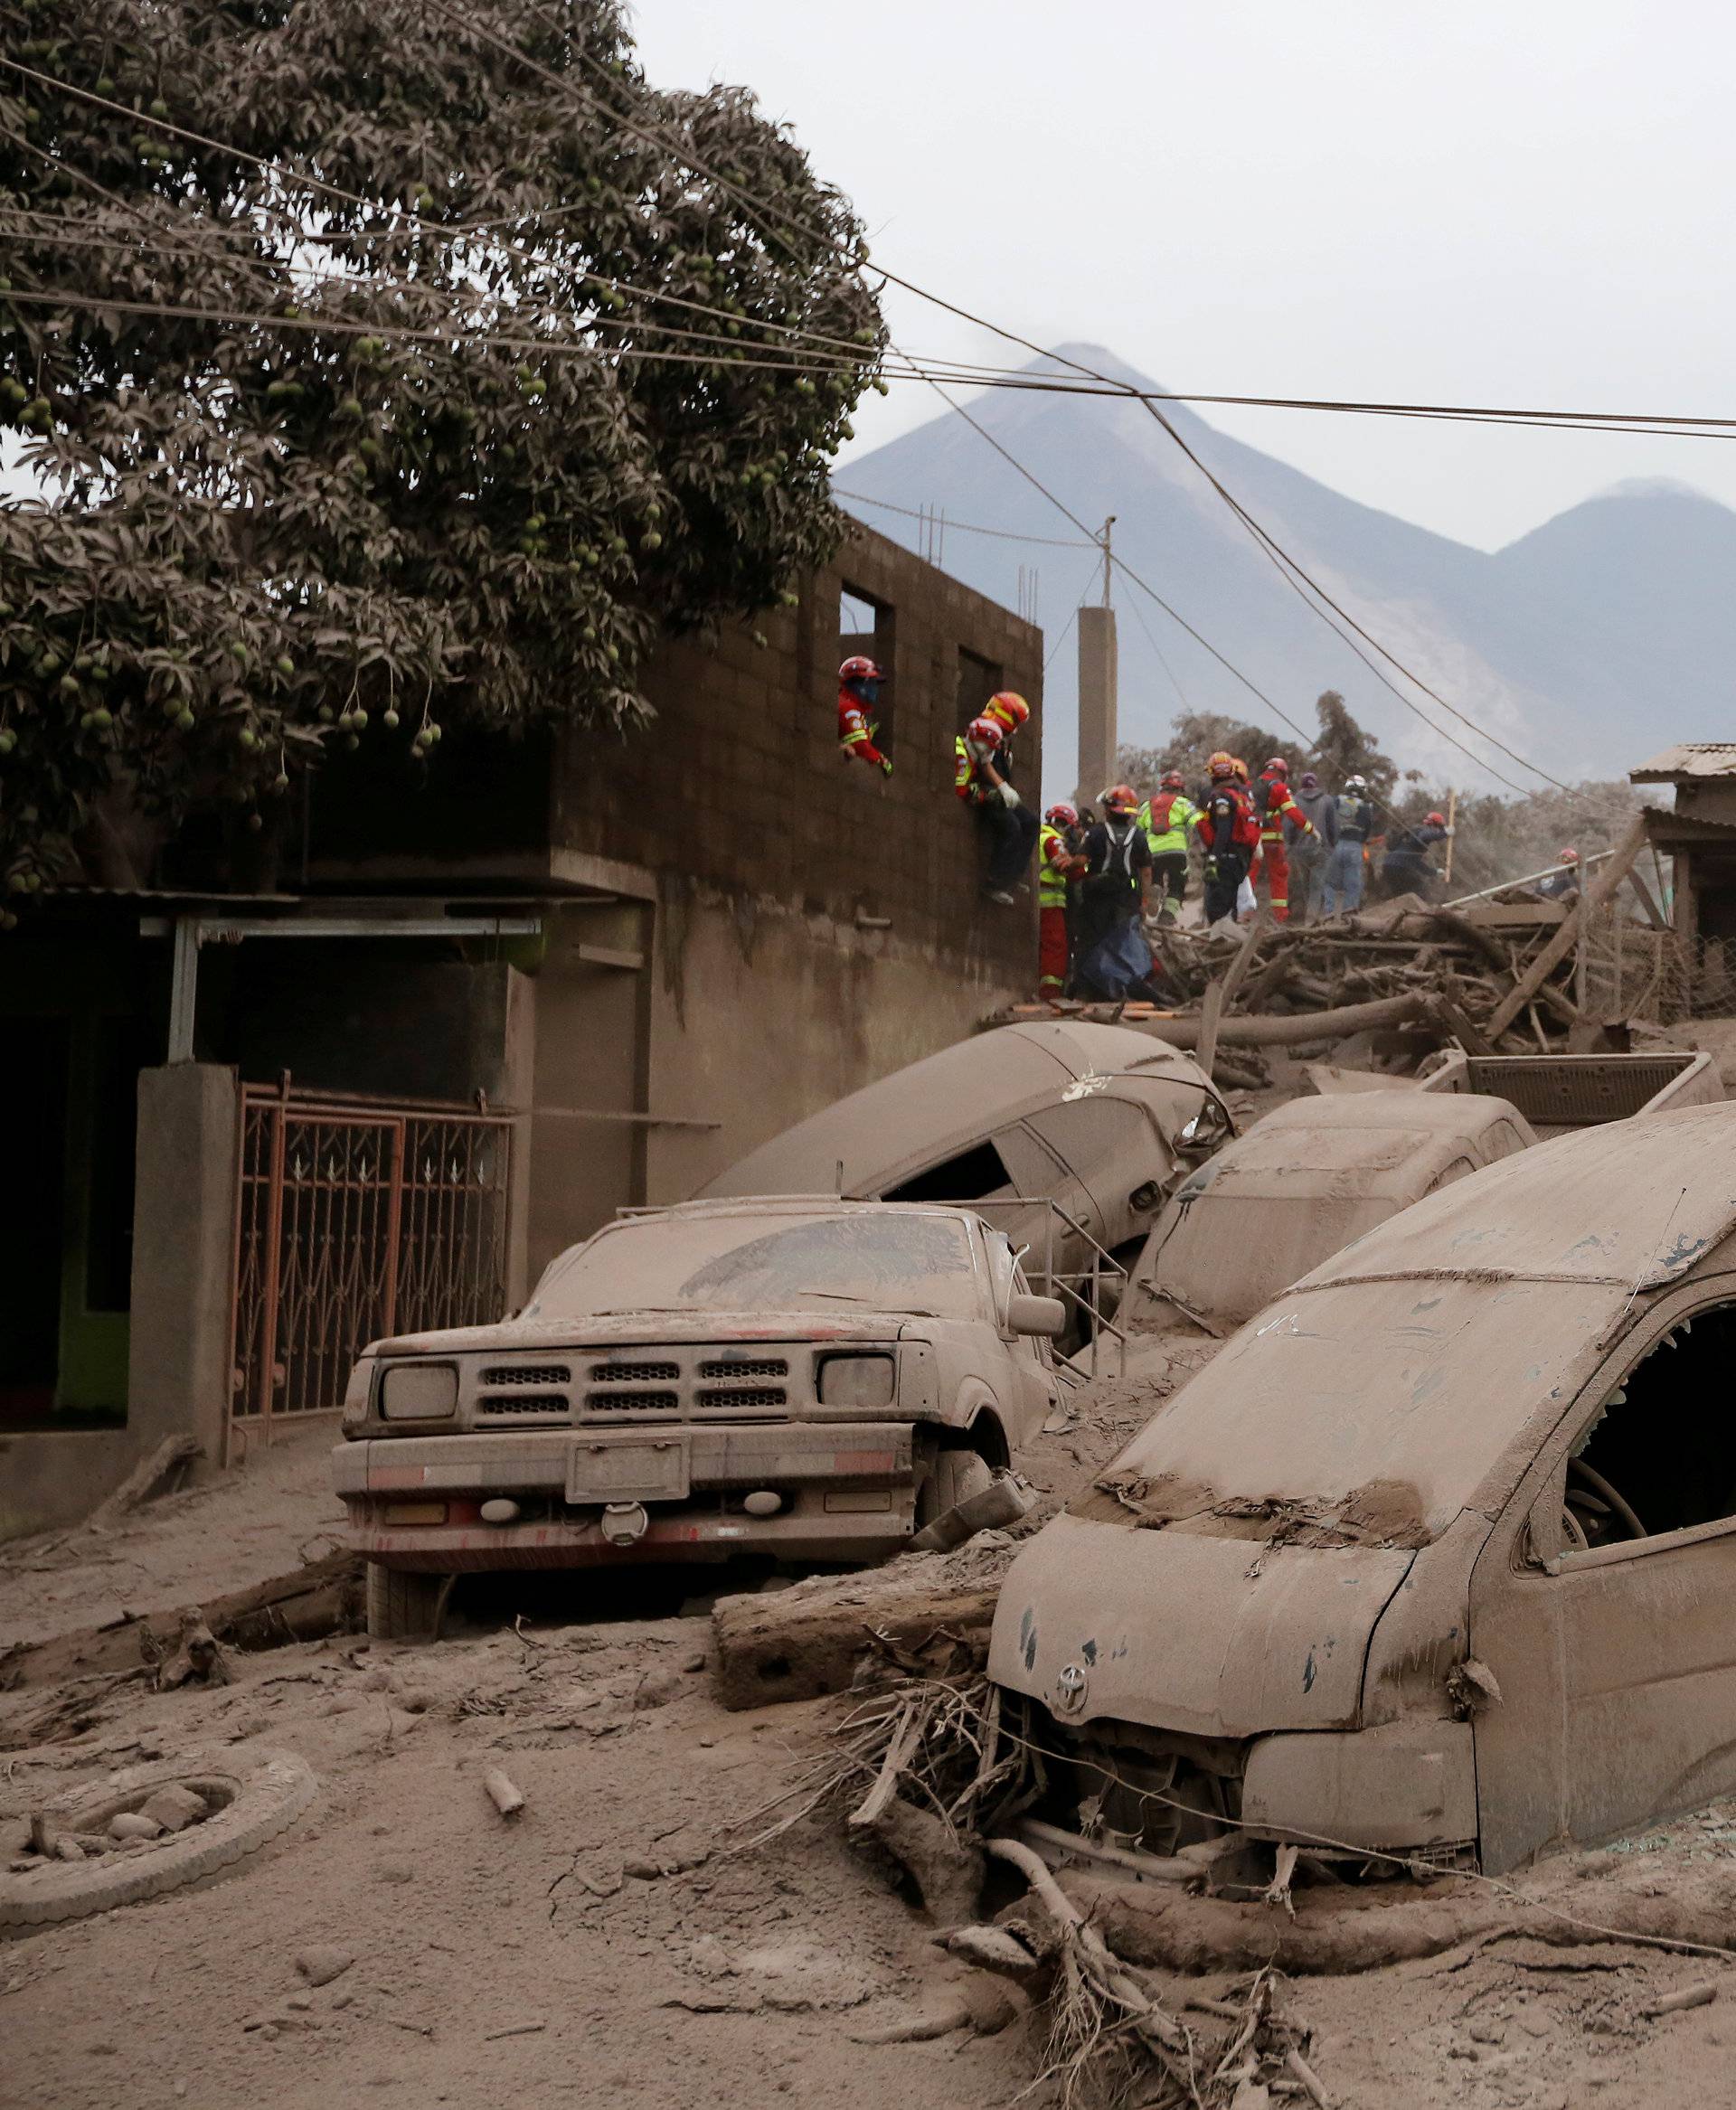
{"x":810,"y":1379}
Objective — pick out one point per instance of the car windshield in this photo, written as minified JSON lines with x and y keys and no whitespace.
{"x":1409,"y":1396}
{"x":750,"y":1262}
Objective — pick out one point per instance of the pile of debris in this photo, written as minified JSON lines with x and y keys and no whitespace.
{"x":1511,"y":974}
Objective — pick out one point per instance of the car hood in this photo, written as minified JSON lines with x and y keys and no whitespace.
{"x":1209,"y":1635}
{"x":597,"y":1330}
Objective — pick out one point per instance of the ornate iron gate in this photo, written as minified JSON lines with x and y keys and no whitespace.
{"x":356,"y":1218}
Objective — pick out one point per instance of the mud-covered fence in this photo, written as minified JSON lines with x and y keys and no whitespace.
{"x":1631,"y":969}
{"x":356,"y":1218}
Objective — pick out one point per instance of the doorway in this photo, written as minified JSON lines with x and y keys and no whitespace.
{"x":33,"y":1230}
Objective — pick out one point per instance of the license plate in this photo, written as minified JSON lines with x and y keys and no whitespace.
{"x":634,"y":1469}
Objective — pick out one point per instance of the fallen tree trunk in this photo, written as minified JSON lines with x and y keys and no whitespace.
{"x":149,"y":1478}
{"x":1271,"y":1030}
{"x":793,"y":1645}
{"x":311,"y":1601}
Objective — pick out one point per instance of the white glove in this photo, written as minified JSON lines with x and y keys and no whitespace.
{"x":1008,"y":796}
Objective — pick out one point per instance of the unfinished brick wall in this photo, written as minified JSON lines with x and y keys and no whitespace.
{"x":740,"y":782}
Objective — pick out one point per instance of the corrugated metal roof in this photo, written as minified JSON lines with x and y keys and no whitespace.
{"x":1690,"y":759}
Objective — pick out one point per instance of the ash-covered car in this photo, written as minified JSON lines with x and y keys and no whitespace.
{"x":1435,"y":1559}
{"x":813,"y":1379}
{"x":1099,"y":1120}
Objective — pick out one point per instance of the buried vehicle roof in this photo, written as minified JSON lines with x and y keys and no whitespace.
{"x":950,"y":1099}
{"x":1304,"y":1180}
{"x":1636,"y":1202}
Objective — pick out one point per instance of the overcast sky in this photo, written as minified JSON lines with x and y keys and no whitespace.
{"x":1500,"y":203}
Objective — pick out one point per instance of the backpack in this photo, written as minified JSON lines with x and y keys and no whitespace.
{"x":1117,"y":862}
{"x":1350,"y":816}
{"x":1223,"y":810}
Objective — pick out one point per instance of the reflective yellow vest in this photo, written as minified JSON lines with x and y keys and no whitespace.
{"x":1164,"y":841}
{"x":1052,"y":885}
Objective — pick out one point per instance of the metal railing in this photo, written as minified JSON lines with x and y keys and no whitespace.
{"x":1081,"y":1287}
{"x":356,"y":1218}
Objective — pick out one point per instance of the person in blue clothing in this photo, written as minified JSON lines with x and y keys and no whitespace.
{"x":1355,"y":815}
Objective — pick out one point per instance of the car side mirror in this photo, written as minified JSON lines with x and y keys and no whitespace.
{"x":1046,"y":1316}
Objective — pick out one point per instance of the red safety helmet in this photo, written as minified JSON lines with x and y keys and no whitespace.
{"x":1063,"y":816}
{"x":1278,"y":766}
{"x":1434,"y":821}
{"x":1222,"y":765}
{"x":1239,"y":767}
{"x":1570,"y":856}
{"x":1120,"y":798}
{"x":1172,"y":780}
{"x":1010,"y":709}
{"x":860,"y":670}
{"x":984,"y":732}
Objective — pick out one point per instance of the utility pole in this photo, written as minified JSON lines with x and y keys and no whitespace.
{"x":1098,"y":686}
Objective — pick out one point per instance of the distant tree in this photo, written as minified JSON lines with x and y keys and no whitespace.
{"x":390,"y":423}
{"x":1344,"y":748}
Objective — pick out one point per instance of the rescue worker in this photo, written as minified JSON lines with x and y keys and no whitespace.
{"x":1407,"y":868}
{"x":1309,"y":853}
{"x":1277,"y":810}
{"x":1229,"y":835}
{"x":1166,"y":818}
{"x":1114,"y":959}
{"x":981,"y":777}
{"x":1345,"y":868}
{"x":860,"y":681}
{"x":1562,"y":885}
{"x":1058,"y":863}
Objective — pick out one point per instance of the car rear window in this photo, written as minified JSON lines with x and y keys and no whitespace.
{"x":750,"y":1262}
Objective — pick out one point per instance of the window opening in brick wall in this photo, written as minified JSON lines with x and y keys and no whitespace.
{"x":865,"y":628}
{"x":978,"y":679}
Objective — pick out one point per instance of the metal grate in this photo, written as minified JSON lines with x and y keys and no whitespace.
{"x":632,"y":1403}
{"x":773,"y":1366}
{"x":528,"y":1373}
{"x":744,"y":1399}
{"x":544,"y":1403}
{"x":634,"y":1373}
{"x":355,"y":1221}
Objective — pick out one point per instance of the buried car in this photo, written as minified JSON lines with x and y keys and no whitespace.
{"x":1100,"y":1120}
{"x":816,"y":1380}
{"x":1435,"y":1559}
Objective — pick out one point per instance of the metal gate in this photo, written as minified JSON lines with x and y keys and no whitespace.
{"x":356,"y":1218}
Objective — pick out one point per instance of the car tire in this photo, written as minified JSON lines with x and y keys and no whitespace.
{"x":267,"y":1791}
{"x":405,"y":1605}
{"x":953,"y":1476}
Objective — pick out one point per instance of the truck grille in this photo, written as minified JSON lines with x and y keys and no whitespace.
{"x":528,"y":1373}
{"x":634,"y":1373}
{"x":632,"y":1403}
{"x":524,"y":1403}
{"x":742,"y":1399}
{"x":773,"y":1366}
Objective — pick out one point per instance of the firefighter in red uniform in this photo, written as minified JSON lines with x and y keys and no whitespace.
{"x":859,"y":686}
{"x":1229,"y":833}
{"x":1275,"y":807}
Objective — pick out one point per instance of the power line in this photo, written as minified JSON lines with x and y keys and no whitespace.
{"x":965,"y":526}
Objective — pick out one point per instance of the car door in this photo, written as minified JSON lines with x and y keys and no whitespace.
{"x":1615,"y":1661}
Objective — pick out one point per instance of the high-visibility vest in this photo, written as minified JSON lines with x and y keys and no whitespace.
{"x":1165,"y":820}
{"x":1051,"y":883}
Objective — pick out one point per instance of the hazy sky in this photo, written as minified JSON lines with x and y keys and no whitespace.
{"x":1503,"y":203}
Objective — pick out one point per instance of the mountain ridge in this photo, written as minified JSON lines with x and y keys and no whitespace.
{"x":1556,"y":643}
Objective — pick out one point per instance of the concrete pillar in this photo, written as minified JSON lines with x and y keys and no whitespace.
{"x":1098,"y":674}
{"x":183,"y":1241}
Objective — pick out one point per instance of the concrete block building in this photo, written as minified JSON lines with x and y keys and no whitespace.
{"x":471,"y":1011}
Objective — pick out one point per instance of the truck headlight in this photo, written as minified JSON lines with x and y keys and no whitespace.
{"x":419,"y":1391}
{"x":857,"y":1380}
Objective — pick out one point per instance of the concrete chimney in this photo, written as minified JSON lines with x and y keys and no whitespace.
{"x":1097,"y":738}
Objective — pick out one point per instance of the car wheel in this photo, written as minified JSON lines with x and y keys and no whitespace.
{"x":405,"y":1605}
{"x":254,"y":1796}
{"x":954,"y":1477}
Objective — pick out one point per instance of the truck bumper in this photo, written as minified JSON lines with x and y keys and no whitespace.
{"x":848,"y":1492}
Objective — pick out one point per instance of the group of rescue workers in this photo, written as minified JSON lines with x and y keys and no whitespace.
{"x":1100,"y":875}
